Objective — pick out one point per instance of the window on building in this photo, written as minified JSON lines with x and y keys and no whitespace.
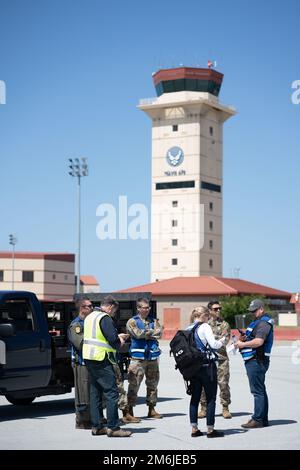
{"x":211,"y":225}
{"x":211,"y":130}
{"x":174,"y":242}
{"x":211,"y":206}
{"x":211,"y":187}
{"x":174,"y":203}
{"x":174,"y":261}
{"x":174,"y":223}
{"x":175,"y":127}
{"x":27,"y":276}
{"x":66,"y":277}
{"x":53,"y":276}
{"x":211,"y":263}
{"x":211,"y":244}
{"x":1,"y":276}
{"x":176,"y":185}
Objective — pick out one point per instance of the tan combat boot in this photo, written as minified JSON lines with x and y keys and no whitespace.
{"x":202,"y":412}
{"x":118,"y":433}
{"x":152,"y":413}
{"x":128,"y":416}
{"x":226,"y":413}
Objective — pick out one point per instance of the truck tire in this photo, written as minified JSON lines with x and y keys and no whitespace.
{"x":19,"y":401}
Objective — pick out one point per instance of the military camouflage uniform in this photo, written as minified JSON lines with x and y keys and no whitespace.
{"x":221,"y":328}
{"x":122,"y":402}
{"x":139,"y":368}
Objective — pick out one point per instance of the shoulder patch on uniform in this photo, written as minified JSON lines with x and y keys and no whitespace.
{"x":77,"y":329}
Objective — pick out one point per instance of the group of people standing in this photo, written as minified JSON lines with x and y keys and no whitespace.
{"x":255,"y":344}
{"x":96,"y":342}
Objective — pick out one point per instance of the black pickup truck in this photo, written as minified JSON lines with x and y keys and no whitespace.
{"x":34,"y":349}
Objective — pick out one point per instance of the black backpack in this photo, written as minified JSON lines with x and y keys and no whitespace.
{"x":189,"y":360}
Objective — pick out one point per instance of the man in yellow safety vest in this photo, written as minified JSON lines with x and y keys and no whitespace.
{"x":101,"y":341}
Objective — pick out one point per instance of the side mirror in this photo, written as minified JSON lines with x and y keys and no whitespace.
{"x":6,"y":330}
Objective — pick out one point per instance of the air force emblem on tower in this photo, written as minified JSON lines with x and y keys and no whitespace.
{"x":175,"y":156}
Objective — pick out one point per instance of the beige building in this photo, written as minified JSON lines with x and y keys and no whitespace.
{"x":48,"y":275}
{"x":187,"y":146}
{"x":89,"y":284}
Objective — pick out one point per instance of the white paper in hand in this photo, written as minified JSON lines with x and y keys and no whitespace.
{"x":231,"y":348}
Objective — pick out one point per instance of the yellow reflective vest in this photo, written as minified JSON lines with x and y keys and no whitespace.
{"x":95,"y":345}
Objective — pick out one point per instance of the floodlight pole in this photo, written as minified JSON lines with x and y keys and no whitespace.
{"x":79,"y":235}
{"x":78,"y":168}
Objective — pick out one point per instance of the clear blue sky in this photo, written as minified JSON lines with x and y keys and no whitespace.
{"x":75,"y":71}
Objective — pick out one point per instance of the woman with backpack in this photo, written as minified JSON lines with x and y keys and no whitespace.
{"x":207,"y":376}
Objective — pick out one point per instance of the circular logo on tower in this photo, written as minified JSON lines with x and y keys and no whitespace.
{"x":175,"y":156}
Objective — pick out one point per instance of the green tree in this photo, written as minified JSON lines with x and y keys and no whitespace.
{"x":238,"y":305}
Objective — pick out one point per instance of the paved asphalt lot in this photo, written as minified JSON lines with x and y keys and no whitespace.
{"x":49,"y":422}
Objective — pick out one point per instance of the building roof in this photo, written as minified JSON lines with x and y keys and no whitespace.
{"x":207,"y":285}
{"x":69,"y":257}
{"x":187,"y":73}
{"x":89,"y":280}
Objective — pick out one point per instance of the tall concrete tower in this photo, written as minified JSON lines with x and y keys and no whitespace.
{"x":187,"y":147}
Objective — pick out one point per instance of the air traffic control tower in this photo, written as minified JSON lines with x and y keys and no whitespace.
{"x":187,"y":147}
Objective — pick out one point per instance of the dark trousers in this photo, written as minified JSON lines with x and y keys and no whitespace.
{"x":256,"y":372}
{"x":82,"y":394}
{"x":206,"y":379}
{"x":103,"y":382}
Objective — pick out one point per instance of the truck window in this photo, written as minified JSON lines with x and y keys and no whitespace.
{"x":19,"y":313}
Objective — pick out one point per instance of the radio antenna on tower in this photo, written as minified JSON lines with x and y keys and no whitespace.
{"x":211,"y":64}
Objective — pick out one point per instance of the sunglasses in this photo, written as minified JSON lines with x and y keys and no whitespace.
{"x":217,"y":308}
